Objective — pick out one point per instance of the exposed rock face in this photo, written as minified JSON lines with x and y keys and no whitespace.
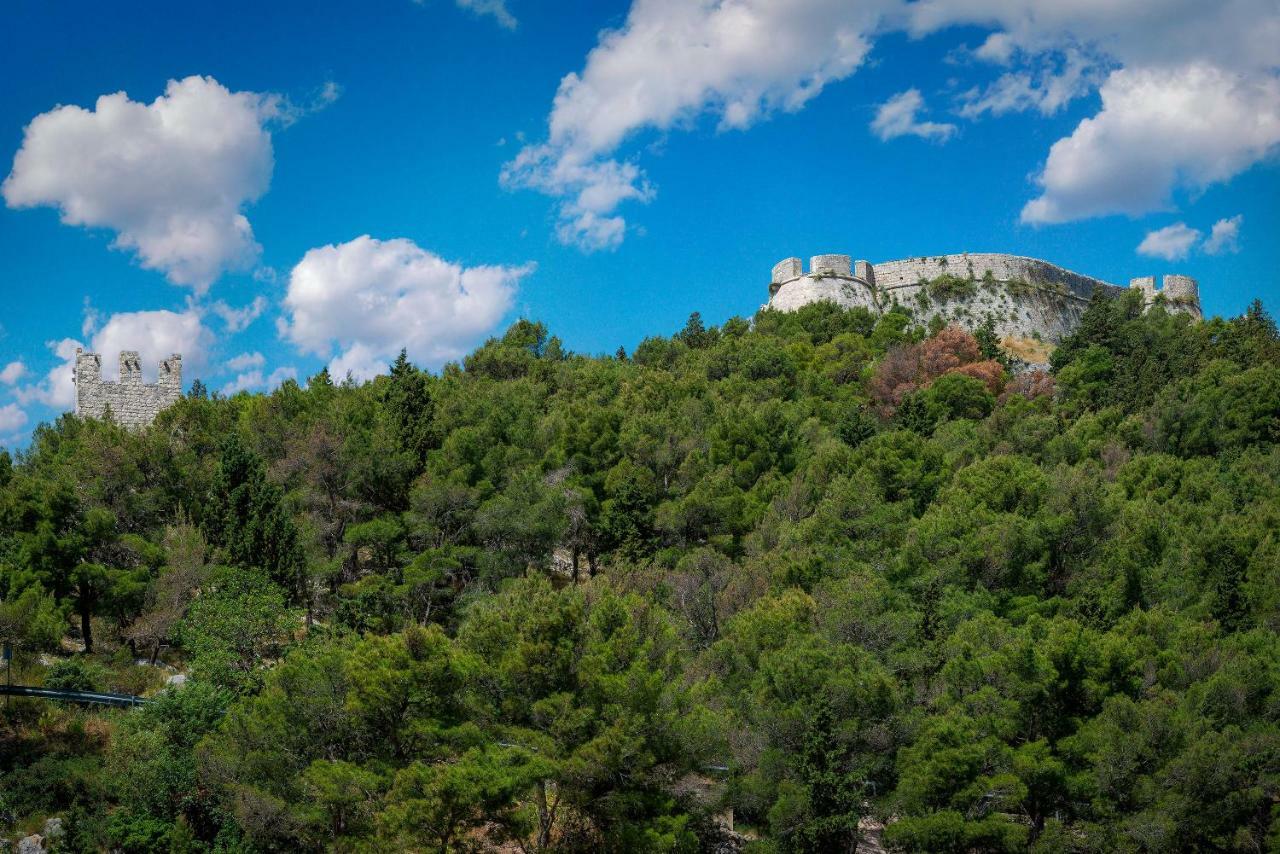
{"x":130,"y":402}
{"x":1022,"y":297}
{"x":53,"y":829}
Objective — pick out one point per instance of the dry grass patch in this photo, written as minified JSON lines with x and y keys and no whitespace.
{"x":1029,"y":350}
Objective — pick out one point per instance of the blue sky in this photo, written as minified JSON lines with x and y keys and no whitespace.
{"x":283,"y":186}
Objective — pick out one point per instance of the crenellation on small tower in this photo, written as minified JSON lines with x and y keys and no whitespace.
{"x":1146,"y":284}
{"x":831,"y":265}
{"x":786,"y":270}
{"x":130,"y":368}
{"x":130,"y":402}
{"x":1181,"y":294}
{"x":171,"y":373}
{"x":863,"y":270}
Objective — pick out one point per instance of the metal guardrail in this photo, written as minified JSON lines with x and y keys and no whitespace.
{"x":92,"y":697}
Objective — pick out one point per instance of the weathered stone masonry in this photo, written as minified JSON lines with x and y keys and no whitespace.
{"x":129,"y":402}
{"x":1023,"y":297}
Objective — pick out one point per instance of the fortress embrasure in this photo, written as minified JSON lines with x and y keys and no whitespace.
{"x":1022,"y":297}
{"x":129,"y":402}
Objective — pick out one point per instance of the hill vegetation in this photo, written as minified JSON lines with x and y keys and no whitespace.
{"x":826,"y":571}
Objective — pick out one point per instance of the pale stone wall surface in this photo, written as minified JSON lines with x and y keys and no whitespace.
{"x":787,"y":269}
{"x":1003,"y":268}
{"x":129,"y":402}
{"x":843,"y":291}
{"x":838,"y":265}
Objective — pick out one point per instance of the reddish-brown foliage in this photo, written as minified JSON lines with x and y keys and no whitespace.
{"x":1030,"y":385}
{"x":906,"y":369}
{"x":946,"y":351}
{"x":988,"y":371}
{"x":896,"y":376}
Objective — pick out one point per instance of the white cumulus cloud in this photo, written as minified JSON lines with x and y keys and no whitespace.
{"x":13,"y":372}
{"x":254,"y":380}
{"x":1228,"y":33}
{"x":899,"y":117}
{"x":170,"y":178}
{"x":1193,"y":84}
{"x":1190,"y":92}
{"x":1224,"y":237}
{"x":591,"y":192}
{"x":238,"y":319}
{"x":1045,"y":89}
{"x":671,"y":62}
{"x":360,"y":302}
{"x":1172,"y":243}
{"x":1158,"y":130}
{"x":56,"y":388}
{"x":245,"y":361}
{"x":12,"y":419}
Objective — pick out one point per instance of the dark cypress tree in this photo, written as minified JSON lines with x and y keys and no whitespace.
{"x":989,"y":342}
{"x":857,"y":426}
{"x":694,"y":334}
{"x":321,"y":380}
{"x":1100,"y":324}
{"x":915,"y":414}
{"x":408,"y":401}
{"x":247,"y":520}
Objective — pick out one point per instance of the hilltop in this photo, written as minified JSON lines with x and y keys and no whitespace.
{"x":768,"y":586}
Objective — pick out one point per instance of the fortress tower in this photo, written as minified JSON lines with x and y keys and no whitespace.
{"x":129,"y":402}
{"x":834,"y":278}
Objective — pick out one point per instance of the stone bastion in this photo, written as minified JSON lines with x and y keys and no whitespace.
{"x":129,"y":402}
{"x":1021,"y":297}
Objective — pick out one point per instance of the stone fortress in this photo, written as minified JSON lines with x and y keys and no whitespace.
{"x":1024,"y":298}
{"x":129,"y":402}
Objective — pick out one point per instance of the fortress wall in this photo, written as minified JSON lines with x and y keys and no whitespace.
{"x":845,"y":292}
{"x":1032,"y":313}
{"x":1003,"y":268}
{"x":1021,"y":297}
{"x":130,"y":402}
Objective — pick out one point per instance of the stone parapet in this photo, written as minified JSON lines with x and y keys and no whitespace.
{"x":832,"y":265}
{"x":129,"y":401}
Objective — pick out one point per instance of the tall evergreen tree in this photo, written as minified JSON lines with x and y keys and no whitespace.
{"x":409,"y":406}
{"x":247,"y":520}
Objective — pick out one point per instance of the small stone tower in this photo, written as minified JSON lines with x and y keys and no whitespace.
{"x":1181,"y":293}
{"x":831,"y":278}
{"x":130,"y":402}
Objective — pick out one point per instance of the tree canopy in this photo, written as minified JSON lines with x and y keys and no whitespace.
{"x":779,"y":585}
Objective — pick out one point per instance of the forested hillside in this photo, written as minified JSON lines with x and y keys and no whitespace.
{"x":821,"y":572}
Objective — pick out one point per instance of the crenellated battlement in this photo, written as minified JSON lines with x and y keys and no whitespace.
{"x":129,"y":401}
{"x":1021,"y":296}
